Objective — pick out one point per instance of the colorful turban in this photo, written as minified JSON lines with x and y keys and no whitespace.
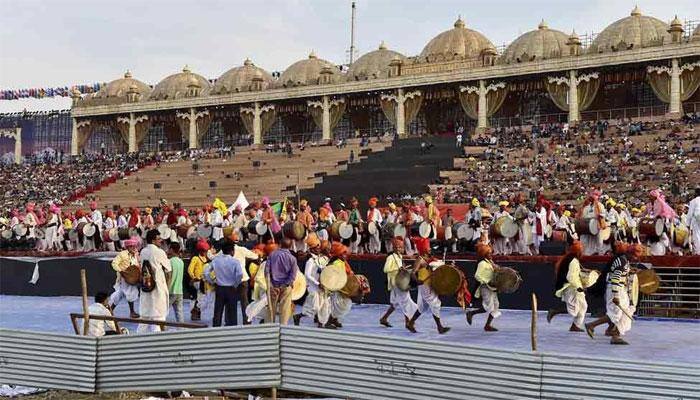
{"x":202,"y":246}
{"x":392,"y":206}
{"x":567,"y":213}
{"x":475,"y":202}
{"x":54,"y":209}
{"x":270,"y":247}
{"x":313,"y":241}
{"x":503,"y":203}
{"x":265,"y":201}
{"x":576,"y":247}
{"x":483,"y":250}
{"x":220,"y":205}
{"x":303,"y":202}
{"x":428,"y":199}
{"x":372,"y":202}
{"x":338,"y":249}
{"x":30,"y":207}
{"x":133,"y":241}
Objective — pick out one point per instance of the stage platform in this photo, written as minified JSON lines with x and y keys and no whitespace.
{"x":651,"y":340}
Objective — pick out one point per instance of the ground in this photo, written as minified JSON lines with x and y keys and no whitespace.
{"x":650,"y":340}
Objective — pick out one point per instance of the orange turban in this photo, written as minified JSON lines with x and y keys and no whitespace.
{"x":338,"y":249}
{"x":483,"y":250}
{"x":576,"y":247}
{"x":313,"y":241}
{"x":325,"y":245}
{"x":270,"y":247}
{"x":372,"y":202}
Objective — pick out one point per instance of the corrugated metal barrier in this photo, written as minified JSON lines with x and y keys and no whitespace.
{"x":47,"y":360}
{"x":565,"y":377}
{"x":362,"y":366}
{"x":216,"y":358}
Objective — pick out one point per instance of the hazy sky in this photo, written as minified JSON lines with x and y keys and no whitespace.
{"x":64,"y":42}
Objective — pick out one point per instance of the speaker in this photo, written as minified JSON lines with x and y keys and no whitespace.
{"x":551,"y":248}
{"x":256,"y":164}
{"x":156,"y":185}
{"x":212,"y":184}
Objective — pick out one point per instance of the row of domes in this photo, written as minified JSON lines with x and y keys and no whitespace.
{"x":634,"y":31}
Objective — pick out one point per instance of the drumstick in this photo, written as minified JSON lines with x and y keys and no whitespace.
{"x":624,"y":311}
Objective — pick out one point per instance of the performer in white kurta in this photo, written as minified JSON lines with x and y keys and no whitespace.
{"x":428,"y":300}
{"x":485,"y":269}
{"x":154,"y":304}
{"x":122,"y":290}
{"x":692,"y":219}
{"x":96,"y":218}
{"x":31,"y":221}
{"x":593,"y":244}
{"x":217,"y":220}
{"x":316,"y":305}
{"x":620,"y":307}
{"x":571,"y":288}
{"x":53,"y":224}
{"x":339,"y":303}
{"x":257,"y":309}
{"x":392,"y":217}
{"x":109,"y":223}
{"x":398,"y":299}
{"x":521,"y":215}
{"x":374,"y":216}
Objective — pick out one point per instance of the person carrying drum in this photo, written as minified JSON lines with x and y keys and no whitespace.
{"x":305,"y":218}
{"x":489,"y":295}
{"x":205,"y":291}
{"x":399,"y":299}
{"x":619,"y":306}
{"x":31,"y":221}
{"x":53,"y":225}
{"x":340,"y":304}
{"x":474,"y":219}
{"x":316,"y":305}
{"x":374,"y":216}
{"x":432,"y":215}
{"x":502,"y":245}
{"x":593,"y":209}
{"x":392,"y":217}
{"x":123,"y":289}
{"x":428,"y":300}
{"x":570,"y":287}
{"x":355,"y":219}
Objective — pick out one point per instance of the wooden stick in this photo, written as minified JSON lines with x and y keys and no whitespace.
{"x":86,"y":313}
{"x":624,"y":311}
{"x":75,"y":316}
{"x":533,"y":324}
{"x":270,"y":308}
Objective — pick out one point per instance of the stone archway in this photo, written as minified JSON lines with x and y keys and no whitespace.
{"x":16,"y":134}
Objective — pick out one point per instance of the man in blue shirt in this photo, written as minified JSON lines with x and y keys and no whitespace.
{"x":282,"y":267}
{"x":227,"y":273}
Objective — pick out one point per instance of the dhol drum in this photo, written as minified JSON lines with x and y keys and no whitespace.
{"x":204,"y":231}
{"x":587,"y":226}
{"x":392,"y":230}
{"x":298,"y":287}
{"x":463,"y":231}
{"x":425,"y":229}
{"x":606,"y":234}
{"x":504,"y":227}
{"x":559,"y":235}
{"x":589,"y":277}
{"x":351,"y":288}
{"x":443,"y":233}
{"x":131,"y":275}
{"x":446,"y":280}
{"x":335,"y":230}
{"x":108,"y":234}
{"x":651,"y":227}
{"x":6,"y":234}
{"x":403,"y":279}
{"x":186,"y":231}
{"x":80,"y":229}
{"x":294,"y":230}
{"x":333,"y":277}
{"x":89,"y":230}
{"x":164,"y":231}
{"x":372,"y":228}
{"x":548,"y":230}
{"x":649,"y":281}
{"x":347,"y":231}
{"x":681,"y":236}
{"x":123,"y":234}
{"x":20,"y":230}
{"x":506,"y":280}
{"x":40,"y":233}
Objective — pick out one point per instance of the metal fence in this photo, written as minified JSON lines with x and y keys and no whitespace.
{"x":47,"y":360}
{"x":361,"y":366}
{"x":216,"y":358}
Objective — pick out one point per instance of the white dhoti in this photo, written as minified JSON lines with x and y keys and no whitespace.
{"x":340,"y":306}
{"x":695,"y":239}
{"x":123,"y":290}
{"x":428,"y":300}
{"x":317,"y":304}
{"x":615,"y":313}
{"x":257,"y":309}
{"x":489,"y":301}
{"x":401,"y":300}
{"x":375,"y":245}
{"x":591,"y":244}
{"x":205,"y":301}
{"x":576,"y":305}
{"x":154,"y":305}
{"x":501,"y":246}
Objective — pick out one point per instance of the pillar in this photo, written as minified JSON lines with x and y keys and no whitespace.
{"x":573,"y":98}
{"x":675,"y":107}
{"x":400,"y":114}
{"x":74,"y":137}
{"x":257,"y":125}
{"x":482,"y":106}
{"x":18,"y":145}
{"x":326,"y":120}
{"x":132,"y":133}
{"x":193,"y":129}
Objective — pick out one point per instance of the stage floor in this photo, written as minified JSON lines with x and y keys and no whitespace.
{"x":650,"y":340}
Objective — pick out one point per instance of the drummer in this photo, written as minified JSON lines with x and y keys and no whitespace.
{"x":258,"y":307}
{"x":205,"y":291}
{"x":489,"y":295}
{"x":407,"y":218}
{"x":324,"y":221}
{"x":593,"y":209}
{"x":392,"y":217}
{"x":305,"y":218}
{"x":355,"y":219}
{"x":618,"y":303}
{"x":123,"y":290}
{"x":448,"y":221}
{"x":502,"y":245}
{"x":398,"y":299}
{"x":96,"y":219}
{"x":53,"y":226}
{"x":374,"y":216}
{"x":432,"y":215}
{"x":570,"y":288}
{"x":474,"y":218}
{"x":107,"y":224}
{"x":340,"y":304}
{"x":217,"y":222}
{"x":31,"y":221}
{"x":148,"y":221}
{"x":317,"y":304}
{"x":428,"y":300}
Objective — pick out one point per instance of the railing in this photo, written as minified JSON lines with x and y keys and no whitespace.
{"x":162,"y":324}
{"x":677,"y":297}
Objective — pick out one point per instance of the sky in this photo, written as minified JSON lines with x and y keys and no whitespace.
{"x":46,"y":43}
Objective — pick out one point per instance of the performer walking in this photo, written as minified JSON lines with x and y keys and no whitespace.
{"x":485,"y":270}
{"x":340,"y":304}
{"x":619,"y":306}
{"x":593,"y":209}
{"x":502,"y":245}
{"x":196,"y":272}
{"x":316,"y":304}
{"x":355,"y":220}
{"x":398,"y":299}
{"x":154,"y":304}
{"x":428,"y":300}
{"x":374,"y":217}
{"x":571,"y":288}
{"x":121,"y":263}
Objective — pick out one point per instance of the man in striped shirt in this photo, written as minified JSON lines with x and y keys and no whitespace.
{"x":619,"y":306}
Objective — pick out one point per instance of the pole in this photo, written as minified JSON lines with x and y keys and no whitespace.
{"x":533,"y":324}
{"x":86,"y":313}
{"x":270,"y":308}
{"x":352,"y":34}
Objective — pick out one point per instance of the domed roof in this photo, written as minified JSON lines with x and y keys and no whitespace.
{"x":374,"y":64}
{"x":540,"y":44}
{"x":240,"y":79}
{"x":307,"y":72}
{"x":459,"y":42}
{"x":634,"y":31}
{"x":178,"y":85}
{"x":118,"y":88}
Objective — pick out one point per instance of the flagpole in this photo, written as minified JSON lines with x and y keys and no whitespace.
{"x":298,"y":186}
